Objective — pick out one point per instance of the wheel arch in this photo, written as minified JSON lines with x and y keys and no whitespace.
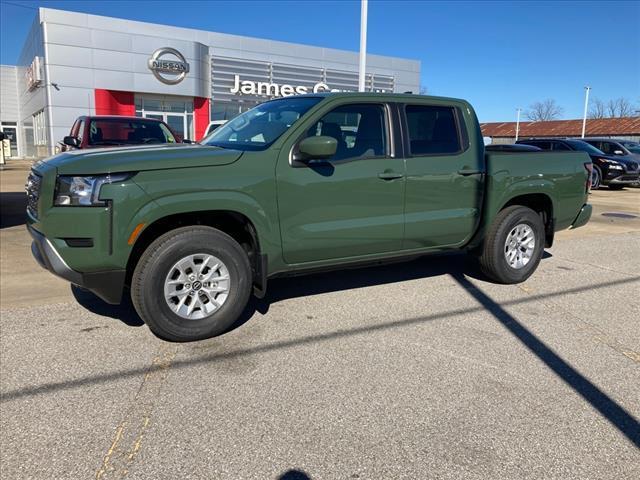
{"x":235,"y":224}
{"x":540,"y":203}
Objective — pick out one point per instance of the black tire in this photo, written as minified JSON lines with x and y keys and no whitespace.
{"x":492,"y":257}
{"x":596,"y":178}
{"x":147,"y":284}
{"x":616,"y":187}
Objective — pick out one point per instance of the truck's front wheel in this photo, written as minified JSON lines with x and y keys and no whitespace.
{"x":191,"y":283}
{"x":513,"y":246}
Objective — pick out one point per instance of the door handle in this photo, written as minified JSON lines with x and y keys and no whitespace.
{"x":467,"y":171}
{"x":390,"y":175}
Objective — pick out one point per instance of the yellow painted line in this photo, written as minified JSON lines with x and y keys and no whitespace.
{"x":128,"y":439}
{"x":107,"y":457}
{"x":525,"y":288}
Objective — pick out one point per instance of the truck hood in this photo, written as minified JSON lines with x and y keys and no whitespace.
{"x":139,"y":158}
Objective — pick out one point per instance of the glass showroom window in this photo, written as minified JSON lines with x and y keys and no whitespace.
{"x":177,"y":113}
{"x":39,"y":128}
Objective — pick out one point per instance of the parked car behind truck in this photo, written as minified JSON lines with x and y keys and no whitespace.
{"x":319,"y":181}
{"x":615,"y":172}
{"x":112,"y":131}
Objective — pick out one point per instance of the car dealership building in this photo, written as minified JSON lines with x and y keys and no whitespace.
{"x":76,"y":64}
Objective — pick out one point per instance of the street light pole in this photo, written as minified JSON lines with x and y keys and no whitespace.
{"x":586,"y":104}
{"x":518,"y":123}
{"x":363,"y":44}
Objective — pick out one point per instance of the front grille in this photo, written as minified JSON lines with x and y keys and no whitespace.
{"x":632,"y":166}
{"x":33,"y":193}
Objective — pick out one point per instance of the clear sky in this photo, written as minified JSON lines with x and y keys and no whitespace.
{"x":497,"y":55}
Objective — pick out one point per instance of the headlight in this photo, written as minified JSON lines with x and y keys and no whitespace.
{"x":613,"y":165}
{"x":84,"y":191}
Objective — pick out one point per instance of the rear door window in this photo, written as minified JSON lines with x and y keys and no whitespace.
{"x":560,"y":146}
{"x":432,"y":130}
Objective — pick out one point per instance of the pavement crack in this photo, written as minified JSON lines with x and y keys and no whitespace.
{"x":597,"y":266}
{"x":129,"y":434}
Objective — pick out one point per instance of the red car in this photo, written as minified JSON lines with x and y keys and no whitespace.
{"x":111,"y":131}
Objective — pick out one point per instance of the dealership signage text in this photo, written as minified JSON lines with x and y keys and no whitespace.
{"x":249,"y":87}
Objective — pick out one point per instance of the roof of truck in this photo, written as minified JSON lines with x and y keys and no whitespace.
{"x":403,"y":96}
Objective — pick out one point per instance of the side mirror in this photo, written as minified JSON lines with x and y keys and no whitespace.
{"x":71,"y":141}
{"x":317,"y":148}
{"x":618,"y":152}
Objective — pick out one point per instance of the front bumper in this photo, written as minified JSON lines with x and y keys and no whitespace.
{"x":583,"y":217}
{"x":624,"y":179}
{"x":107,"y":285}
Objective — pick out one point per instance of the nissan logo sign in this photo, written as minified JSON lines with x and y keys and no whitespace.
{"x":168,"y":65}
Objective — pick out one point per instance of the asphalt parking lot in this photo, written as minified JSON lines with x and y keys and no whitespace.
{"x":411,"y":370}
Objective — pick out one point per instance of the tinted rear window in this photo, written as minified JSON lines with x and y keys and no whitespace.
{"x":432,"y":130}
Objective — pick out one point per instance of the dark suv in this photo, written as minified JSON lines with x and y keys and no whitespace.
{"x":612,"y":170}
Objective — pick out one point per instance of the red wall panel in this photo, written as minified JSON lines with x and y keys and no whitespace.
{"x":201,"y":115}
{"x":112,"y":102}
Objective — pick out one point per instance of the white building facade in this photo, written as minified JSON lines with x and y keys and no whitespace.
{"x":76,"y":64}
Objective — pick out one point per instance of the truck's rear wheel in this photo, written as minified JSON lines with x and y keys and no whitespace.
{"x":513,"y":246}
{"x":191,"y":283}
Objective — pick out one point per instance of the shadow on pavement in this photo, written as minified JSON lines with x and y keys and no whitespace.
{"x":283,"y":288}
{"x":13,"y":207}
{"x":294,"y":474}
{"x":599,"y":400}
{"x":123,"y":312}
{"x":293,"y":287}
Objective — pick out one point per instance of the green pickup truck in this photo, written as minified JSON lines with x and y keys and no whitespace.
{"x":295,"y":185}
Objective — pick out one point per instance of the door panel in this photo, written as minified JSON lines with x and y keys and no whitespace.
{"x":348,"y":206}
{"x":444,"y":180}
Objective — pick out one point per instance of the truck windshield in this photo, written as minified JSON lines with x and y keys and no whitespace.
{"x":585,"y":147}
{"x":258,"y":128}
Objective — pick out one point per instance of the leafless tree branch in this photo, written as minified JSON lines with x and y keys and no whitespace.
{"x":598,"y":109}
{"x":544,"y":111}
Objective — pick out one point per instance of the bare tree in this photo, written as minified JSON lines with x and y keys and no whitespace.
{"x":544,"y":111}
{"x":598,"y":109}
{"x":620,"y":107}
